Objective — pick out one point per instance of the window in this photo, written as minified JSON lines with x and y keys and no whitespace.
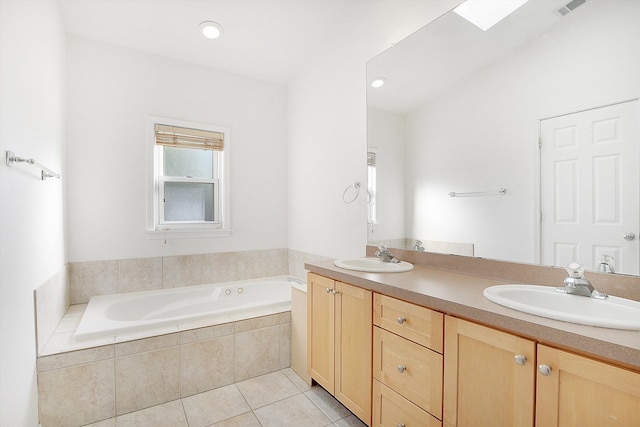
{"x":371,"y":187}
{"x":190,"y":180}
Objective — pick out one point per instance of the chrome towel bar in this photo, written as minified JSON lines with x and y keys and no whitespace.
{"x":500,"y":192}
{"x":45,"y":172}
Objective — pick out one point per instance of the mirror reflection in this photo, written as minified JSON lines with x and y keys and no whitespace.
{"x":533,"y":124}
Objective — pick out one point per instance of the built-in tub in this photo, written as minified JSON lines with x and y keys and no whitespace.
{"x":111,"y":315}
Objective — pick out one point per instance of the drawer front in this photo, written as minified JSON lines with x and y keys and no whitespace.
{"x":413,"y":371}
{"x":418,"y":324}
{"x":392,"y":410}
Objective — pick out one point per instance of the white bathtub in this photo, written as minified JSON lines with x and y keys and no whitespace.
{"x":121,"y":314}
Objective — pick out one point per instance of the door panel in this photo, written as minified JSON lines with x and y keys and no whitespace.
{"x":591,"y":187}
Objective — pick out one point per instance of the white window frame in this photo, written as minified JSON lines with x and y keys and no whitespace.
{"x":157,"y":227}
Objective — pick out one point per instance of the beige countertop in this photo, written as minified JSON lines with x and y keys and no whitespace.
{"x":460,"y":295}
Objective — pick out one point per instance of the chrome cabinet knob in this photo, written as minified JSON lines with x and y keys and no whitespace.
{"x":334,"y":291}
{"x":401,"y":320}
{"x":520,"y":359}
{"x":328,"y":290}
{"x":629,"y":236}
{"x":400,"y":425}
{"x":401,"y":368}
{"x":544,"y":370}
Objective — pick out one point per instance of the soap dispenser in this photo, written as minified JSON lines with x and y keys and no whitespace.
{"x":606,"y":264}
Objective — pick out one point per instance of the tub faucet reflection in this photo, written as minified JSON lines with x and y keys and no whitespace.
{"x":385,"y":255}
{"x":576,"y":284}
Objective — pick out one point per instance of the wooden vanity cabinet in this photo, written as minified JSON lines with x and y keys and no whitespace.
{"x":407,"y":364}
{"x":339,"y":322}
{"x":573,"y":390}
{"x":489,"y":376}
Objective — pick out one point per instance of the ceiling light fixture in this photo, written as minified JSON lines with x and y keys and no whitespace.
{"x":378,"y":82}
{"x":486,"y":13}
{"x":210,"y":29}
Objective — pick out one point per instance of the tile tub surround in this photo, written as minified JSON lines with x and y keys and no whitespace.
{"x":144,"y":274}
{"x":90,"y":385}
{"x":51,"y":301}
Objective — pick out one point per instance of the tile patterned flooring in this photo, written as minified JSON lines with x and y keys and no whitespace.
{"x":278,"y":399}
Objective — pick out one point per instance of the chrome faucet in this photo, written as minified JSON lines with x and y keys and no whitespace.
{"x":418,"y":246}
{"x":386,"y":256}
{"x":576,"y":284}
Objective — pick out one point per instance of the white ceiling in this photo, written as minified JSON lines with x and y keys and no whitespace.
{"x":266,"y":39}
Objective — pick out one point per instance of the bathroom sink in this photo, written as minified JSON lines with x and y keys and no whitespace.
{"x":373,"y":265}
{"x":546,"y":301}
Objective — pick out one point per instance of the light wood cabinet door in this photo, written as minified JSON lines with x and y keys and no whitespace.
{"x":410,"y":369}
{"x":353,"y":333}
{"x":484,"y":384}
{"x":321,"y":330}
{"x":416,"y":323}
{"x":578,"y":391}
{"x":392,"y":410}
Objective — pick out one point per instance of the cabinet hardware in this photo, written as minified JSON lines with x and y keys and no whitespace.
{"x":401,"y":368}
{"x":544,"y":370}
{"x":400,"y":425}
{"x":401,"y":320}
{"x":328,"y":290}
{"x":520,"y":359}
{"x":334,"y":291}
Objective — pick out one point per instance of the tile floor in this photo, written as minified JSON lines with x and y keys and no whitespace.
{"x":278,"y":399}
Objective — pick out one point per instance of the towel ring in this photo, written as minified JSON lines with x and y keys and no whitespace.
{"x":356,"y":189}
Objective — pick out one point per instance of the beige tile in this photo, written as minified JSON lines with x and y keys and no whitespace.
{"x":296,"y":379}
{"x":245,"y":420}
{"x":350,"y":421}
{"x":219,"y":267}
{"x":257,"y":352}
{"x":183,"y":270}
{"x":261,"y":263}
{"x":140,"y":274}
{"x":147,"y":379}
{"x":147,"y":344}
{"x":285,"y":345}
{"x":266,"y":389}
{"x":77,"y":395}
{"x":87,"y":279}
{"x":201,"y":334}
{"x":293,"y":411}
{"x":213,"y":406}
{"x":168,"y":414}
{"x":206,"y":365}
{"x":329,"y":406}
{"x":257,"y":323}
{"x":111,"y":422}
{"x":64,"y":360}
{"x":68,"y":324}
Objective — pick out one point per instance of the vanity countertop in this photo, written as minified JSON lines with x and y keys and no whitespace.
{"x":460,"y":295}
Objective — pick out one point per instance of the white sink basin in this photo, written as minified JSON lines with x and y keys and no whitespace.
{"x":545,"y":301}
{"x":373,"y":265}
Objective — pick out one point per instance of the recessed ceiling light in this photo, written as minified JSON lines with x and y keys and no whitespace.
{"x":486,"y":13}
{"x":210,"y":29}
{"x":378,"y":82}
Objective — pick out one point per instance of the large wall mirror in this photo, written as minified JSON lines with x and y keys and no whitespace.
{"x":517,"y":143}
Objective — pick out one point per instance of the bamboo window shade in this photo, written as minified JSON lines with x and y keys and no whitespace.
{"x":371,"y":159}
{"x":180,"y":137}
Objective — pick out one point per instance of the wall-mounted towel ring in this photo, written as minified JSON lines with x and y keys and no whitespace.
{"x":354,"y":190}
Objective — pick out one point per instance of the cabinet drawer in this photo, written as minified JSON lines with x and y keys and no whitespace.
{"x":408,"y":368}
{"x":408,"y":320}
{"x":392,"y":410}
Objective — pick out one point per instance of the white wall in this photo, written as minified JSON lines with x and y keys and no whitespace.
{"x":112,"y":92}
{"x":483,"y":135}
{"x":32,"y":242}
{"x":327,"y":129}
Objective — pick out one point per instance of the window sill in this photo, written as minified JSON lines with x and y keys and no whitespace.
{"x":187,"y":234}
